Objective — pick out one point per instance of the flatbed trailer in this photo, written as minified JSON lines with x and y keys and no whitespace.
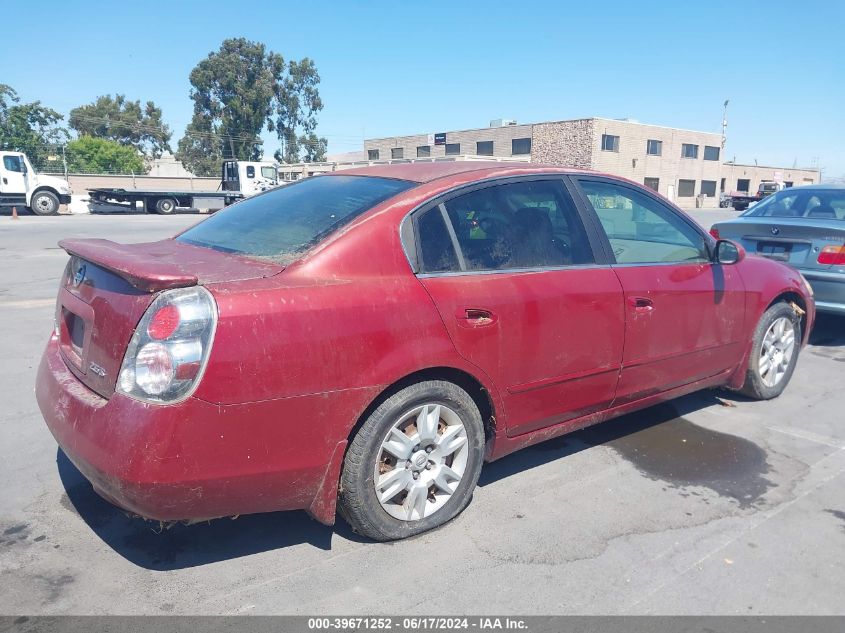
{"x":165,"y":202}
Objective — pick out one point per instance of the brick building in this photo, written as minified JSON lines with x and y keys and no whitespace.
{"x":680,"y":164}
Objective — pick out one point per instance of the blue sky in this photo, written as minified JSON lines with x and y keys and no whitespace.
{"x":392,"y":68}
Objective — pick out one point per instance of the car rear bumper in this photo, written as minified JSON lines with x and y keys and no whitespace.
{"x":828,"y":289}
{"x":197,"y":460}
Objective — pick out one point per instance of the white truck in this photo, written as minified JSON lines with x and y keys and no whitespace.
{"x":21,"y":185}
{"x":239,"y":179}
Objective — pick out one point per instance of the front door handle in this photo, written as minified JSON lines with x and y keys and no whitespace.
{"x":641,"y":305}
{"x":475,"y":317}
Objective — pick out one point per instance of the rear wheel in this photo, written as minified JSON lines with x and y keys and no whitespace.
{"x":44,"y":203}
{"x":774,"y":353}
{"x":166,"y":206}
{"x":414,"y":463}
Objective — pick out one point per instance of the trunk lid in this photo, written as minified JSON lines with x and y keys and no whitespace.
{"x":108,"y":286}
{"x":791,"y":240}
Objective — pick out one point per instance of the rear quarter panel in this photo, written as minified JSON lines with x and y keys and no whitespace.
{"x":351,"y":315}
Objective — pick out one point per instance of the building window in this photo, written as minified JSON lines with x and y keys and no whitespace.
{"x":711,"y":153}
{"x":397,"y":152}
{"x":453,"y":149}
{"x":372,"y":154}
{"x":484,"y":148}
{"x":423,"y":151}
{"x":689,"y":151}
{"x":609,"y":143}
{"x":708,"y":188}
{"x":743,"y":184}
{"x":686,"y":188}
{"x":652,"y":183}
{"x":654,"y":148}
{"x":520,"y":146}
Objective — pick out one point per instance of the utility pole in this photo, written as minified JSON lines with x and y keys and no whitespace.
{"x":725,"y":123}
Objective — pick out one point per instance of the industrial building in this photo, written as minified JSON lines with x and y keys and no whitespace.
{"x":686,"y":166}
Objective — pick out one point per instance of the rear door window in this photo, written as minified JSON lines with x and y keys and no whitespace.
{"x":282,"y":224}
{"x":531,"y":224}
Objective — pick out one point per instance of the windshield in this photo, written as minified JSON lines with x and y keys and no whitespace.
{"x":826,"y":204}
{"x":283,"y":223}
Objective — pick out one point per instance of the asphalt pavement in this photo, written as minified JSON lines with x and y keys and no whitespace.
{"x":709,"y":505}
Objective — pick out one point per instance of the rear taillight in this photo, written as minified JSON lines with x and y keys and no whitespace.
{"x":714,"y":232}
{"x":834,"y":255}
{"x":170,"y":346}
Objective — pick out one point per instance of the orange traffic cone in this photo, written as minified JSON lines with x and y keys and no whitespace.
{"x":14,"y":213}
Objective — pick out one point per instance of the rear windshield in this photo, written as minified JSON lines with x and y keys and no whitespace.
{"x":820,"y":204}
{"x":283,"y":223}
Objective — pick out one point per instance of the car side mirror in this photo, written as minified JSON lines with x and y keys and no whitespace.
{"x":728,"y":252}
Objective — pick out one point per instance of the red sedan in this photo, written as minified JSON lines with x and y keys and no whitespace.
{"x":363,"y":341}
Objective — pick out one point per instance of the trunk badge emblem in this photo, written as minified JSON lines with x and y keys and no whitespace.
{"x":79,"y":277}
{"x":775,"y":230}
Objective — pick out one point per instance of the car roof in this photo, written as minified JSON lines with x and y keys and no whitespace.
{"x":429,"y":171}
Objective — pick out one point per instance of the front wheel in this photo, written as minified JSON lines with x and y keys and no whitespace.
{"x":44,"y":203}
{"x":774,"y":353}
{"x":414,"y":463}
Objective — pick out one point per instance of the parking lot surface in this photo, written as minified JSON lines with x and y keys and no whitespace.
{"x":708,"y":505}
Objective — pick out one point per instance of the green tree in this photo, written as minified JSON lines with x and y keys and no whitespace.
{"x":199,"y":150}
{"x":239,"y":91}
{"x":297,"y":102}
{"x":314,"y":148}
{"x":98,"y":155}
{"x":125,"y":122}
{"x":29,"y":127}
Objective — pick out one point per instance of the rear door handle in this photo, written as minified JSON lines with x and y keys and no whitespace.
{"x":475,"y":317}
{"x":641,"y":304}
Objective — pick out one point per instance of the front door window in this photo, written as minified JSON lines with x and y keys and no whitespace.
{"x":640,"y":229}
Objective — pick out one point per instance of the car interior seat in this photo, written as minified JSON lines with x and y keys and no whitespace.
{"x":822,"y":211}
{"x":534,"y":241}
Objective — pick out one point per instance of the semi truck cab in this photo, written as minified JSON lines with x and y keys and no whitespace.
{"x":21,"y":185}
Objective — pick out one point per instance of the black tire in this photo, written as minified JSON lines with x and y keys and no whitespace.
{"x":44,"y":203}
{"x":754,"y":387}
{"x":165,"y":206}
{"x":358,"y":503}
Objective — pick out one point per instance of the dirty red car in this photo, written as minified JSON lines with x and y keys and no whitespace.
{"x":364,"y":341}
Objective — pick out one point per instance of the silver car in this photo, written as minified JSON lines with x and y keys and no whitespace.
{"x":803,"y":227}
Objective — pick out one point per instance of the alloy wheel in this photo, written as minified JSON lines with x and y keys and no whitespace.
{"x":421,"y":462}
{"x":776,"y":351}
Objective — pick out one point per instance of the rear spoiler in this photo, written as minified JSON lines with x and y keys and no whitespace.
{"x":140,"y":267}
